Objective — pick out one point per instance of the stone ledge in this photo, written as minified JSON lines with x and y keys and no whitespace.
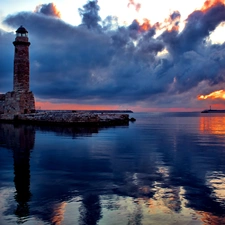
{"x":68,"y":118}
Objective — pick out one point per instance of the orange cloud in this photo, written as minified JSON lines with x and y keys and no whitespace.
{"x":145,"y":26}
{"x":211,"y":3}
{"x":214,"y":95}
{"x":55,"y":11}
{"x":48,"y":9}
{"x":171,"y":23}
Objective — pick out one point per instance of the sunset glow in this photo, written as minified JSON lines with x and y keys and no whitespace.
{"x":170,"y":24}
{"x":63,"y":106}
{"x":49,"y":9}
{"x":59,"y":213}
{"x":212,"y":125}
{"x":145,"y":25}
{"x":210,"y":3}
{"x":214,"y":95}
{"x":112,"y":112}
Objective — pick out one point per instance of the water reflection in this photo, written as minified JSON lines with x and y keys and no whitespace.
{"x":20,"y":139}
{"x":212,"y":124}
{"x":59,"y":211}
{"x":90,"y":210}
{"x":123,"y":175}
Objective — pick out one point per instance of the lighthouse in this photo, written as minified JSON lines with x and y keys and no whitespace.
{"x":21,"y":61}
{"x":21,"y":99}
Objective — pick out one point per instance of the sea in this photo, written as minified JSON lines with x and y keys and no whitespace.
{"x":164,"y":169}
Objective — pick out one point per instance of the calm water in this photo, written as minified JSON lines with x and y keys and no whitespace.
{"x":162,"y":169}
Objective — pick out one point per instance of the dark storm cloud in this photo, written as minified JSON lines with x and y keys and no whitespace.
{"x":175,"y":15}
{"x":101,"y":62}
{"x":90,"y":16}
{"x":199,"y":25}
{"x":194,"y":59}
{"x":6,"y":61}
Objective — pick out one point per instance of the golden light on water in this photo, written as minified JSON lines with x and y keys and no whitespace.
{"x":216,"y":94}
{"x":212,"y":125}
{"x":58,"y":215}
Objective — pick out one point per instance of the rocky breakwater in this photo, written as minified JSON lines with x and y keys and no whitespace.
{"x":84,"y":118}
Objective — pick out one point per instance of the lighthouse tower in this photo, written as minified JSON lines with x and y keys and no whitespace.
{"x":21,"y":99}
{"x":21,"y":61}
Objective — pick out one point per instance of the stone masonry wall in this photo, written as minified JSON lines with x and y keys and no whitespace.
{"x":21,"y":64}
{"x":27,"y":102}
{"x":19,"y":103}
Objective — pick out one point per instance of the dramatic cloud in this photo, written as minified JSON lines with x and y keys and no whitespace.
{"x":48,"y":9}
{"x":6,"y":61}
{"x":100,"y":62}
{"x":89,"y":14}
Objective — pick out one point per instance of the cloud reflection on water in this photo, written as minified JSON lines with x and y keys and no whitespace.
{"x":124,"y":174}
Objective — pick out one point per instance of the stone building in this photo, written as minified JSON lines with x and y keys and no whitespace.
{"x":21,"y":99}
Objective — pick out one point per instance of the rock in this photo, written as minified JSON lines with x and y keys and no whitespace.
{"x":69,"y":117}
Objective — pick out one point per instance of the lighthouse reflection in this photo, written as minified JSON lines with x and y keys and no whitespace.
{"x":20,"y":139}
{"x":21,"y":156}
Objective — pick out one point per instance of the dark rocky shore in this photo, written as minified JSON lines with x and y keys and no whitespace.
{"x":69,"y":117}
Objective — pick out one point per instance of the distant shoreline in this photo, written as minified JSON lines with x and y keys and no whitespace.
{"x":213,"y":111}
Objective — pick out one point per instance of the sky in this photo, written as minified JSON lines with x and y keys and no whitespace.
{"x":140,"y":55}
